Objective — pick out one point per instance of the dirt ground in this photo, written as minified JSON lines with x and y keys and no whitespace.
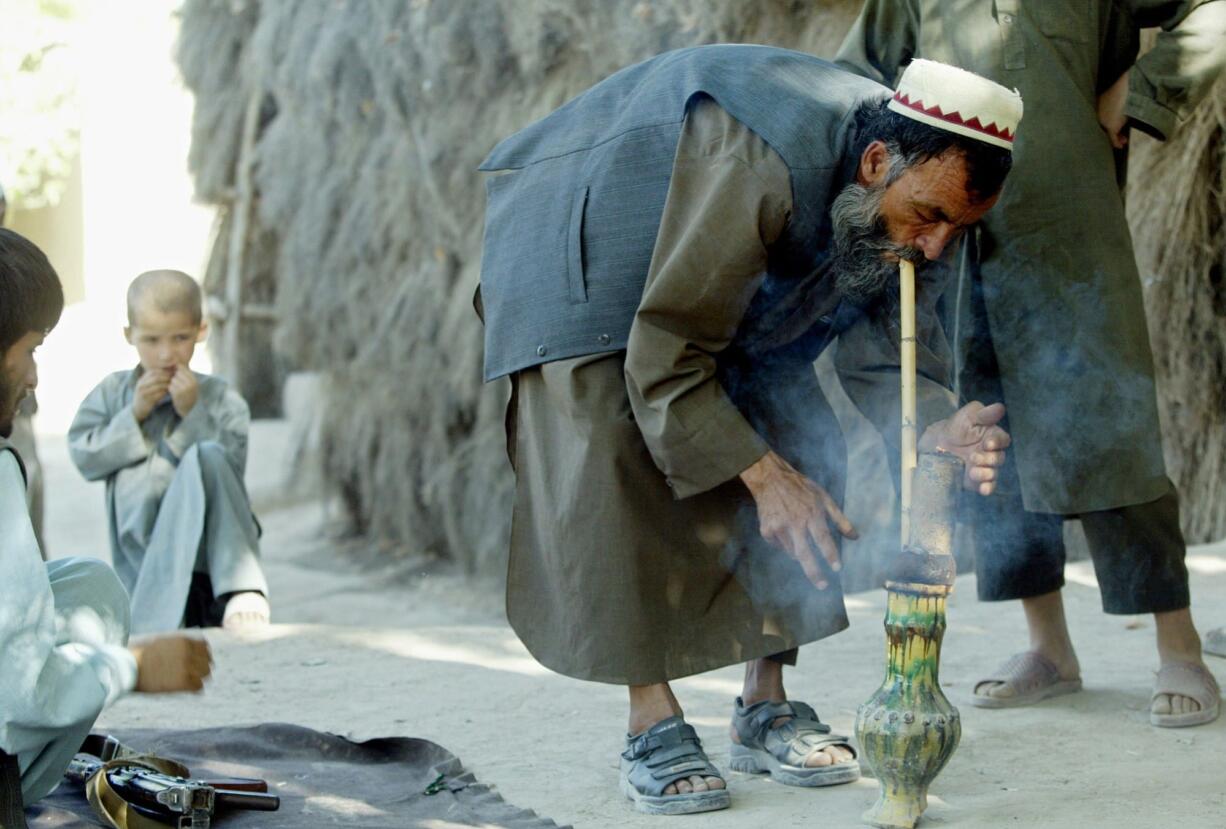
{"x":370,"y":649}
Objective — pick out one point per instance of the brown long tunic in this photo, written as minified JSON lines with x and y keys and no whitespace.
{"x":635,"y":553}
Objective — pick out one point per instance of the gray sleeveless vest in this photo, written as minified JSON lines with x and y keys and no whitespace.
{"x":570,"y":227}
{"x":5,"y":445}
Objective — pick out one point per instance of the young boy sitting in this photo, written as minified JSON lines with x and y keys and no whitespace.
{"x":172,"y":447}
{"x":64,"y":623}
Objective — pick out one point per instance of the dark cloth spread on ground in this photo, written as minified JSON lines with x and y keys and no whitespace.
{"x":322,"y":780}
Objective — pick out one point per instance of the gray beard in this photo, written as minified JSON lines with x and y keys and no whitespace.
{"x":860,"y":240}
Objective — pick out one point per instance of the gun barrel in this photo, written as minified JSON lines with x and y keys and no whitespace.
{"x":237,"y":784}
{"x":82,"y":767}
{"x":254,"y":801}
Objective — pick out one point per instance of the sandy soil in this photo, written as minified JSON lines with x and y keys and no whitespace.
{"x":364,"y":648}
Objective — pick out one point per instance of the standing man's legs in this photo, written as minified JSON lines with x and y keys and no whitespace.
{"x":1018,"y":554}
{"x":1138,"y":554}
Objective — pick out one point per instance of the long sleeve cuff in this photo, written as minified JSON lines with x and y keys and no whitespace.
{"x":722,"y":446}
{"x":116,"y":668}
{"x":127,"y":434}
{"x":1150,"y":116}
{"x":197,"y":426}
{"x":933,"y":403}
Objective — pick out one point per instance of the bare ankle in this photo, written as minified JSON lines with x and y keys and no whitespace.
{"x":1177,"y":638}
{"x":651,"y":704}
{"x":763,"y":681}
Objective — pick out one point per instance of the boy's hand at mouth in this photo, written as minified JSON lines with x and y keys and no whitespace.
{"x":184,"y":390}
{"x":150,"y":388}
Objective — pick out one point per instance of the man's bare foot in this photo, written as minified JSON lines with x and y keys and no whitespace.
{"x":245,"y":611}
{"x":650,"y":704}
{"x":764,"y":681}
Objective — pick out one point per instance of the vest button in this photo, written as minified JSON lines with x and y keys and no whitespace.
{"x":604,"y":339}
{"x":541,"y":351}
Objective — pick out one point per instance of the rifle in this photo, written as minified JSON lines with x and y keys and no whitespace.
{"x":175,"y":801}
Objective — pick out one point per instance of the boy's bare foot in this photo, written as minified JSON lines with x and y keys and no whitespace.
{"x":245,"y":611}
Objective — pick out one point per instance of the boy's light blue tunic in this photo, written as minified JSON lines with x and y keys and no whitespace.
{"x":175,"y":498}
{"x":63,"y":631}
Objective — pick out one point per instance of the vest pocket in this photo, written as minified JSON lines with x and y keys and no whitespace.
{"x":1064,"y":19}
{"x":574,"y":247}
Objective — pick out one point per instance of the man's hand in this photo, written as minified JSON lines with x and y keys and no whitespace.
{"x":793,"y":513}
{"x":150,"y":388}
{"x":184,"y":390}
{"x":972,"y":435}
{"x":171,"y":662}
{"x":1111,"y":112}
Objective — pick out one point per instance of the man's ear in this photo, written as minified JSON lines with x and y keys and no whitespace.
{"x":874,"y":164}
{"x":203,"y":333}
{"x":127,"y":334}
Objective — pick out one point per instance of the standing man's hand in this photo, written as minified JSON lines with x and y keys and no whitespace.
{"x":171,"y":662}
{"x":184,"y":390}
{"x":794,"y":514}
{"x":150,"y":388}
{"x":974,"y":436}
{"x":1111,"y":112}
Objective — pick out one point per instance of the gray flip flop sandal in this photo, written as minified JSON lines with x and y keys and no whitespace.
{"x":1215,"y":642}
{"x":782,"y":751}
{"x":663,"y":754}
{"x":1032,"y":677}
{"x":1187,"y":679}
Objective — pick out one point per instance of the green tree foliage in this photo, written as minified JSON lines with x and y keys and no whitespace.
{"x":39,"y":116}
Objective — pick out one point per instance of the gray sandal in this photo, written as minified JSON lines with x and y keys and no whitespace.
{"x":1032,"y":677}
{"x":663,"y":754}
{"x":782,"y":751}
{"x":1187,"y":679}
{"x":1215,"y":642}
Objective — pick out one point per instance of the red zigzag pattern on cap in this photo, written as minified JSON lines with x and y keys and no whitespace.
{"x":954,"y":118}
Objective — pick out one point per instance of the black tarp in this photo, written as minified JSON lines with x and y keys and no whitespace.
{"x":322,"y":779}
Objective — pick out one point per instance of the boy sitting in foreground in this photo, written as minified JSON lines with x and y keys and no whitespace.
{"x":172,"y":447}
{"x":64,"y":623}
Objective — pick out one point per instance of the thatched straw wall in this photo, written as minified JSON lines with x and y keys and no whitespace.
{"x":1177,"y":206}
{"x":376,"y":115}
{"x":367,"y":178}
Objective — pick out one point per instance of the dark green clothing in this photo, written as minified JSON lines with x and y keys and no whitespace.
{"x":1138,"y":550}
{"x":635,"y":551}
{"x":1059,"y":277}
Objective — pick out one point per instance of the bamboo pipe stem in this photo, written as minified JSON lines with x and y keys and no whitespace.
{"x":906,"y":285}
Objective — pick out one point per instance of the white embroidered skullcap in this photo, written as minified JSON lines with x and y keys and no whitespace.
{"x":953,"y":99}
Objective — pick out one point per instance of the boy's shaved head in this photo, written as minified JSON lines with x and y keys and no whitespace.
{"x":168,"y":292}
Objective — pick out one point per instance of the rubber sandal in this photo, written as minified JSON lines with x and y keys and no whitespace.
{"x":1215,"y":642}
{"x":1187,"y":679}
{"x":663,"y":754}
{"x":1032,"y":677}
{"x":781,"y":751}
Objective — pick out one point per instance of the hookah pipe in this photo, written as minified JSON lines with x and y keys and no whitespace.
{"x":908,"y":730}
